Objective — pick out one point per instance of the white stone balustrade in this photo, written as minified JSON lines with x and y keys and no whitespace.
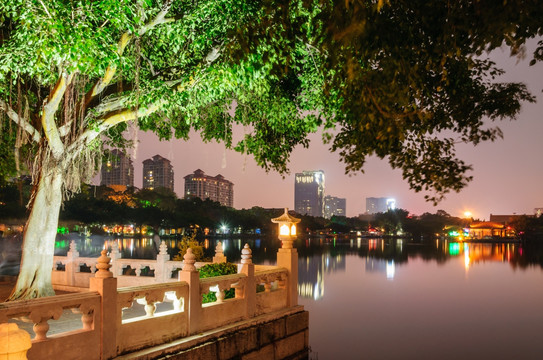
{"x":173,"y":308}
{"x":72,"y":277}
{"x":41,"y":311}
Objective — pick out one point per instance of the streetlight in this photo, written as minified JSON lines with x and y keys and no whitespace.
{"x":287,"y":228}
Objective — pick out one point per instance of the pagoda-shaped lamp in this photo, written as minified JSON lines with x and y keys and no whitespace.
{"x":287,"y":256}
{"x":287,"y":228}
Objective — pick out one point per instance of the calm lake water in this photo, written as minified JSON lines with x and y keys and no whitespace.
{"x":391,"y":299}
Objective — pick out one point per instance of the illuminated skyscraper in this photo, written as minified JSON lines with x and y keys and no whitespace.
{"x":215,"y":188}
{"x":379,"y":205}
{"x":157,"y":172}
{"x":117,"y":170}
{"x":334,"y":206}
{"x":309,"y":193}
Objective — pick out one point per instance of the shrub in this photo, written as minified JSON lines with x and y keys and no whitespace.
{"x":189,"y":241}
{"x":219,"y":269}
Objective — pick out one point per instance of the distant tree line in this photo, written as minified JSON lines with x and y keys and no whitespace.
{"x":161,"y":208}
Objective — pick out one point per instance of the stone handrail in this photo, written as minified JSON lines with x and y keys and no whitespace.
{"x":154,"y":327}
{"x":41,"y":311}
{"x":107,"y":329}
{"x":274,"y":296}
{"x":219,"y":284}
{"x":267,"y":277}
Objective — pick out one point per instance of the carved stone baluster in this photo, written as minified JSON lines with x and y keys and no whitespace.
{"x":40,"y":318}
{"x":282,"y":282}
{"x":150,"y":307}
{"x":267,"y":286}
{"x":138,"y":270}
{"x":41,"y":328}
{"x":219,"y":294}
{"x":87,"y":318}
{"x":178,"y":304}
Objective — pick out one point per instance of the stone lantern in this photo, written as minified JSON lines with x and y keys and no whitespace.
{"x":287,"y":228}
{"x":287,"y":256}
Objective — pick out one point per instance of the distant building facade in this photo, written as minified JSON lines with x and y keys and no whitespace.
{"x":309,"y":193}
{"x":118,"y":169}
{"x":215,"y":188}
{"x":334,"y":206}
{"x":379,"y":205}
{"x":157,"y":172}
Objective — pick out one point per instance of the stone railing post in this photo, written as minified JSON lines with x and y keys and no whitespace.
{"x":15,"y":342}
{"x":104,"y":283}
{"x":72,"y":264}
{"x":114,"y":255}
{"x":287,"y":257}
{"x":160,"y":268}
{"x":190,"y":275}
{"x":219,"y":254}
{"x":248,"y":268}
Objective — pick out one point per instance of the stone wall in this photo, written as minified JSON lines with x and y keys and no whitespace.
{"x":281,"y":335}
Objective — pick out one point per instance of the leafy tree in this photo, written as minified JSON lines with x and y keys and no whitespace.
{"x":392,"y":220}
{"x":396,"y":79}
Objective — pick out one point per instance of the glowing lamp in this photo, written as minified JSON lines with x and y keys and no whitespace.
{"x":287,"y":228}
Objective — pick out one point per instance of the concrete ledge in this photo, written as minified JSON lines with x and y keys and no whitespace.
{"x":261,"y":337}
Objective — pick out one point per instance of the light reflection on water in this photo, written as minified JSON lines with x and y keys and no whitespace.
{"x":386,"y":299}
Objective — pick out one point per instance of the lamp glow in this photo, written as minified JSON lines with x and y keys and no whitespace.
{"x":283,"y":230}
{"x":287,"y":228}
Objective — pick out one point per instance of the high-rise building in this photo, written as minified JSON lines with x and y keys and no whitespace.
{"x":379,"y":205}
{"x":215,"y":188}
{"x":334,"y":206}
{"x":117,"y":170}
{"x":157,"y":172}
{"x":309,"y":193}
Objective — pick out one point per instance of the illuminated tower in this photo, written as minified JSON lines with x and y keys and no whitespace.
{"x":157,"y":172}
{"x":334,"y":206}
{"x":309,"y":193}
{"x":379,"y":205}
{"x":215,"y":188}
{"x":117,"y":170}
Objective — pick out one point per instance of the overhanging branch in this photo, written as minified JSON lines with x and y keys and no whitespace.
{"x":25,"y":125}
{"x":103,"y":82}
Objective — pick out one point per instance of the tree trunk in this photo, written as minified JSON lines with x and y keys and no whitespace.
{"x":34,"y":278}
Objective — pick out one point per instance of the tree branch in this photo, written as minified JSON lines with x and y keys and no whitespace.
{"x":102,"y":83}
{"x":107,"y":122}
{"x":386,"y":113}
{"x":25,"y":125}
{"x":48,"y":116}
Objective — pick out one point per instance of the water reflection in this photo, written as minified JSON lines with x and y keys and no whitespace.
{"x":324,"y":255}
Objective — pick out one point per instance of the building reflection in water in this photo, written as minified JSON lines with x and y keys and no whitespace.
{"x":311,"y":270}
{"x":474,"y":253}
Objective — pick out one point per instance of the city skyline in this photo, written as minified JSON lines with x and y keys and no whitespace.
{"x":507,"y":173}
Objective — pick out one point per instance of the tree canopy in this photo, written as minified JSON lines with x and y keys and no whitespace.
{"x":402,"y":80}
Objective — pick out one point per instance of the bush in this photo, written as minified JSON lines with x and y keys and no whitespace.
{"x":219,"y":269}
{"x":189,"y":241}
